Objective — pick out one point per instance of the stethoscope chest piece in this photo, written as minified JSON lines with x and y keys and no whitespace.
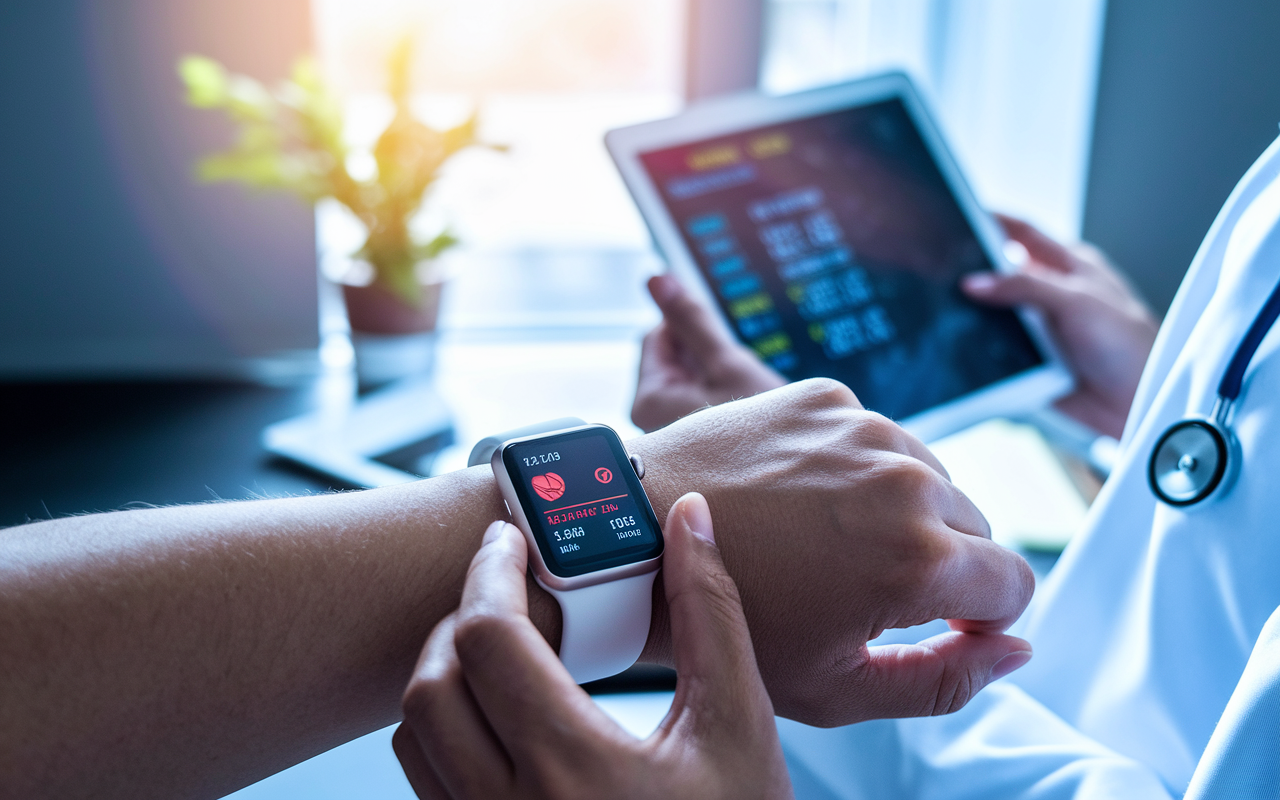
{"x":1198,"y":456}
{"x":1189,"y":461}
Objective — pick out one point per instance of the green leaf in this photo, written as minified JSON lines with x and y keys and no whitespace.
{"x":260,"y":136}
{"x":442,"y":242}
{"x":460,"y":136}
{"x":319,"y":112}
{"x":263,"y":170}
{"x":206,"y":81}
{"x":249,"y":101}
{"x":291,"y":139}
{"x":394,"y":267}
{"x":405,"y":284}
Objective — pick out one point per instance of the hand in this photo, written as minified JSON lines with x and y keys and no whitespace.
{"x":1102,"y":328}
{"x":491,"y":713}
{"x":690,"y":361}
{"x":836,"y":525}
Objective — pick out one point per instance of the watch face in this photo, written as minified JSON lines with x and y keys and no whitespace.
{"x":583,"y":501}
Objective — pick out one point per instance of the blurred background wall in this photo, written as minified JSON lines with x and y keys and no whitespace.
{"x":114,"y":260}
{"x":1188,"y":97}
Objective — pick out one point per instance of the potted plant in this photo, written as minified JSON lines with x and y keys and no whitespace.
{"x":291,"y":139}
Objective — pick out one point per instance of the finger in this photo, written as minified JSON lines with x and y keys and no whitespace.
{"x":661,"y":384}
{"x":693,"y":325}
{"x":1040,"y":246}
{"x":1089,"y":259}
{"x":978,"y":584}
{"x":1037,"y":288}
{"x":450,"y":731}
{"x":951,"y":506}
{"x":525,"y":693}
{"x":718,"y":682}
{"x":415,"y":765}
{"x":937,"y":676}
{"x":659,"y":361}
{"x":959,"y":513}
{"x":914,"y":448}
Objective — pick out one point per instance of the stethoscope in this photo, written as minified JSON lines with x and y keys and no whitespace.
{"x":1198,"y":455}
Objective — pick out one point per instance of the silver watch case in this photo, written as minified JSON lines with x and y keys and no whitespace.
{"x":544,"y":575}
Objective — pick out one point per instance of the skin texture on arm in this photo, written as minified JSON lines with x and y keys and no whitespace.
{"x":186,"y":652}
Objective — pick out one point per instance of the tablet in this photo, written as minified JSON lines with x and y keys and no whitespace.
{"x":830,"y":229}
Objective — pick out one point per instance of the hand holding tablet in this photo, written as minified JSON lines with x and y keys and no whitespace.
{"x":830,"y":230}
{"x":691,"y":361}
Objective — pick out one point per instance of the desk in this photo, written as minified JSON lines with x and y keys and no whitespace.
{"x":68,"y":448}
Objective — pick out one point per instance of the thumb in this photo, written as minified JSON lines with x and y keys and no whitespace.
{"x":690,"y":322}
{"x":937,"y":676}
{"x":715,"y":662}
{"x":1037,"y":288}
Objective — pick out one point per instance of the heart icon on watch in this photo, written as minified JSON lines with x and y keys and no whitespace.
{"x":549,"y":486}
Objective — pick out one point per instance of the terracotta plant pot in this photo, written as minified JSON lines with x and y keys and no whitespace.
{"x":392,"y":340}
{"x":374,"y":309}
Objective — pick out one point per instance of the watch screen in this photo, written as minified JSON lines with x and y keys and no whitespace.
{"x":583,"y":501}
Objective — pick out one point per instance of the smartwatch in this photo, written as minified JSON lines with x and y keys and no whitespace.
{"x":594,"y":542}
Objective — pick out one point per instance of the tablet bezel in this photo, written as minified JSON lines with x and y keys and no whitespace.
{"x":728,"y":115}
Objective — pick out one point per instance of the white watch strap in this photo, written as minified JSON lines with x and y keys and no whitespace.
{"x":605,"y":626}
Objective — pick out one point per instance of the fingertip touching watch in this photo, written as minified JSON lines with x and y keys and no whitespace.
{"x":594,"y":542}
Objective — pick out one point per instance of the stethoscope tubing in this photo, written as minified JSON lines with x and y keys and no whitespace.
{"x":1233,"y":379}
{"x":1182,"y":471}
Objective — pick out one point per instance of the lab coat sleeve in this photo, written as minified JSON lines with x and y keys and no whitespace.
{"x":1004,"y":744}
{"x":1242,"y":760}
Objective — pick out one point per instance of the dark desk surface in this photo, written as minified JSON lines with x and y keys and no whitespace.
{"x":69,"y":448}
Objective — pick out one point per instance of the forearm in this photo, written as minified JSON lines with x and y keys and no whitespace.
{"x":189,"y":650}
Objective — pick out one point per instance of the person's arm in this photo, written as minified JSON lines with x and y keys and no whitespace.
{"x":491,"y":714}
{"x":190,"y":651}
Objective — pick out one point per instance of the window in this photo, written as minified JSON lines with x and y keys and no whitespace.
{"x":1011,"y":82}
{"x":548,"y":78}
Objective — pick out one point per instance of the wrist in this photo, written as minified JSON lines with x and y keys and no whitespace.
{"x":544,"y":611}
{"x":663,"y":487}
{"x":662,"y":490}
{"x":475,"y":503}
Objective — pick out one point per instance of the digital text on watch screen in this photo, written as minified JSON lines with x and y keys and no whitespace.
{"x":583,"y":501}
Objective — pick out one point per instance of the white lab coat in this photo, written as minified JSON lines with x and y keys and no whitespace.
{"x":1143,"y":630}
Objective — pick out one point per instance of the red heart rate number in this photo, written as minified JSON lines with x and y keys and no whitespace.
{"x":549,"y":486}
{"x":604,"y":475}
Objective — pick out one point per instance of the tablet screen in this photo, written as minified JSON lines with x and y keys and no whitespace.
{"x":835,"y":247}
